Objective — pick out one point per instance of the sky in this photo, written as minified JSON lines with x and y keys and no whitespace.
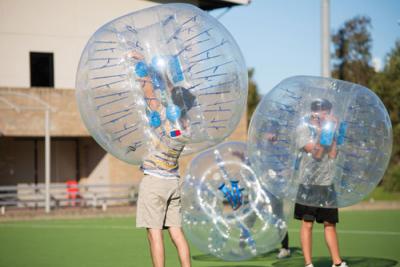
{"x":281,"y":38}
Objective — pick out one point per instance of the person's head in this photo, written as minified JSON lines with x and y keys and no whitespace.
{"x":183,"y":98}
{"x":320,"y":108}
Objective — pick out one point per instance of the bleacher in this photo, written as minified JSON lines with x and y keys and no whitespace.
{"x":64,"y":195}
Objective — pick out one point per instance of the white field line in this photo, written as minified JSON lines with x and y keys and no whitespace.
{"x":122,"y":227}
{"x":66,"y":226}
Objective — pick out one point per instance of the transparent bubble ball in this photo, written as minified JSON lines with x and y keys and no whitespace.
{"x":320,"y":142}
{"x":226,"y":211}
{"x":169,"y":70}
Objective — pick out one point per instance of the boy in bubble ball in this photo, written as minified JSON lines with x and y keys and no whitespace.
{"x":159,"y":201}
{"x":317,"y":151}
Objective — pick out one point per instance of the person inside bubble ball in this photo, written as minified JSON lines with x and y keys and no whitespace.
{"x":317,"y":145}
{"x":159,"y":201}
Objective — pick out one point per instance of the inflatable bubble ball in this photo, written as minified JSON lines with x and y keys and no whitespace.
{"x":226,"y":211}
{"x":320,"y":142}
{"x":170,"y":71}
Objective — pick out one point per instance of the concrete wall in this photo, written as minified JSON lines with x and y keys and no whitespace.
{"x":61,"y":27}
{"x":65,"y":119}
{"x":22,"y":160}
{"x":96,"y":166}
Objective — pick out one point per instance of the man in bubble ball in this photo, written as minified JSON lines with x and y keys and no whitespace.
{"x":159,"y":201}
{"x":317,"y":145}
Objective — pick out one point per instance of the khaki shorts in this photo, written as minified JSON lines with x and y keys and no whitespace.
{"x":159,"y":203}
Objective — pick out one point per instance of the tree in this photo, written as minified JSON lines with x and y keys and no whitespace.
{"x":253,"y":96}
{"x":352,"y":56}
{"x":352,"y":62}
{"x":386,"y":85}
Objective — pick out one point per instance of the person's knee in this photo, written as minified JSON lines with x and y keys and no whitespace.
{"x":329,"y":226}
{"x":307,"y":225}
{"x":176,"y":234}
{"x":154,"y":235}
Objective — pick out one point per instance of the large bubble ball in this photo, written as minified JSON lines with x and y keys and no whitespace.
{"x":226,"y":212}
{"x":320,"y":142}
{"x":167,"y":71}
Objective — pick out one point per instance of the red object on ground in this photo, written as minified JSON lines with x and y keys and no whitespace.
{"x":72,"y":192}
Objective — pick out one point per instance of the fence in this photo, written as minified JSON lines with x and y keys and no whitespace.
{"x":65,"y":195}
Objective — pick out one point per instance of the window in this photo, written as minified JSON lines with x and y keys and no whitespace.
{"x":42,"y":72}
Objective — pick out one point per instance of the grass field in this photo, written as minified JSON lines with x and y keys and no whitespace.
{"x":367,"y":238}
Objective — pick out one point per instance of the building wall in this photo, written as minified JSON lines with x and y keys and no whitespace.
{"x":96,"y":166}
{"x":22,"y":160}
{"x":16,"y":161}
{"x":58,"y":26}
{"x":65,"y":119}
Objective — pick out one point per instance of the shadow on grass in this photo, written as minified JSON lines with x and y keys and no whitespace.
{"x":326,"y":262}
{"x":244,"y":265}
{"x":296,"y":251}
{"x":296,"y":260}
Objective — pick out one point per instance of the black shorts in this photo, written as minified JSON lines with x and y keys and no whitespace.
{"x":321,"y":195}
{"x":321,"y":215}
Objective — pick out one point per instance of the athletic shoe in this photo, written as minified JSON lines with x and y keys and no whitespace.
{"x":283,"y":253}
{"x":310,"y":265}
{"x":343,"y":264}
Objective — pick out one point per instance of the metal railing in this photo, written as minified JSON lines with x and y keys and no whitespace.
{"x":63,"y":195}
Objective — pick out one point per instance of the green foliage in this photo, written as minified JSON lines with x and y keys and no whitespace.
{"x":386,"y":84}
{"x":380,"y":193}
{"x":352,"y":62}
{"x":392,"y":179}
{"x":253,"y":96}
{"x":352,"y":56}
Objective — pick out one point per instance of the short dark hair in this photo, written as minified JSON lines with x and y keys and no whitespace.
{"x":183,"y":98}
{"x":320,"y":104}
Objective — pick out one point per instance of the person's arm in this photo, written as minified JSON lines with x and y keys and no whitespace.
{"x":315,"y":149}
{"x":313,"y":146}
{"x":149,"y":95}
{"x":146,"y":83}
{"x":332,"y":154}
{"x":332,"y":149}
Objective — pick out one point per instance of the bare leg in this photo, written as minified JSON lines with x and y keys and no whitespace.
{"x":306,"y":240}
{"x":156,"y":243}
{"x":178,"y":238}
{"x":332,"y":242}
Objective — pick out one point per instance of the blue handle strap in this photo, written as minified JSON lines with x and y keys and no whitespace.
{"x":226,"y":193}
{"x":341,"y":133}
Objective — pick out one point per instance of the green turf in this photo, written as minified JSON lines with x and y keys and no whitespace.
{"x":369,"y":238}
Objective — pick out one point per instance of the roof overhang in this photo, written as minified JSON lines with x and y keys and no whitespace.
{"x":209,"y":4}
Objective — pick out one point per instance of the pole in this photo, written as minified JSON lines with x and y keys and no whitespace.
{"x":325,"y":39}
{"x":47,"y":159}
